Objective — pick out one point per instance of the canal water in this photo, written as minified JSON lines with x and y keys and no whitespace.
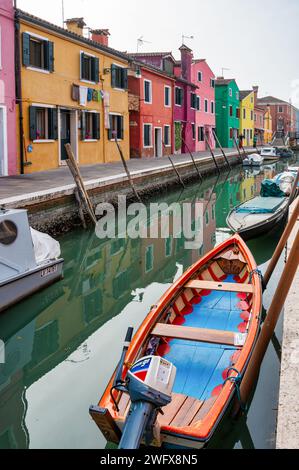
{"x":63,"y":344}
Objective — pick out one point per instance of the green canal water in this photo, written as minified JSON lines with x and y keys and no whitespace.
{"x":63,"y":343}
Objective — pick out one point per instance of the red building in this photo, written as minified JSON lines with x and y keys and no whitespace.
{"x":151,"y":98}
{"x":283,"y":114}
{"x":259,"y":112}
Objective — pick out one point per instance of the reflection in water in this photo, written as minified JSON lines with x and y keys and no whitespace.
{"x":63,"y":343}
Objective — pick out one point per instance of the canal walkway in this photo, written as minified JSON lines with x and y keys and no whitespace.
{"x":22,"y":190}
{"x":288,"y":407}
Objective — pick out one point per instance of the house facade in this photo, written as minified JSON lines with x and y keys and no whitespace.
{"x":151,"y":98}
{"x":268,"y":127}
{"x":284,"y":114}
{"x":247,"y":116}
{"x":227,"y":111}
{"x":205,"y":119}
{"x":259,"y":112}
{"x":74,"y":90}
{"x":8,"y":145}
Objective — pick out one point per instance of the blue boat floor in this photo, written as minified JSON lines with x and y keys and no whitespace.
{"x":200,"y":365}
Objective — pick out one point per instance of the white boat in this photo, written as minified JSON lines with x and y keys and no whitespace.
{"x":254,"y":160}
{"x":269,"y":153}
{"x":29,"y":260}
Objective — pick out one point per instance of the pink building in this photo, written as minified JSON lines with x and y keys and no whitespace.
{"x":8,"y":150}
{"x":204,"y":78}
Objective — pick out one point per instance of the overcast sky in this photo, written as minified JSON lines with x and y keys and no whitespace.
{"x":256,"y":39}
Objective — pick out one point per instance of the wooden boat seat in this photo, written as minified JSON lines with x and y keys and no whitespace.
{"x":221,"y":286}
{"x":228,"y":338}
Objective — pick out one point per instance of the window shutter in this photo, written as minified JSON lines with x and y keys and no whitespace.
{"x":125,"y":78}
{"x":121,"y":127}
{"x":53,"y":123}
{"x":83,"y":125}
{"x":81,"y":64}
{"x":113,"y":75}
{"x":96,"y":125}
{"x":32,"y":122}
{"x":26,"y":49}
{"x":51,"y":56}
{"x":96,"y":70}
{"x":110,"y":136}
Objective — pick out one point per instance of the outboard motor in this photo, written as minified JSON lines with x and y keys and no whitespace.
{"x":149,"y":384}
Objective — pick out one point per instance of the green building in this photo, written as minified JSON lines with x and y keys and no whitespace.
{"x":227,"y":111}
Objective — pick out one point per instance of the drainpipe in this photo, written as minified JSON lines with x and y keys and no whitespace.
{"x":19,"y":89}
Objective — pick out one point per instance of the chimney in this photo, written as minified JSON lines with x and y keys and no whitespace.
{"x":101,"y":36}
{"x":186,"y":62}
{"x":75,"y":25}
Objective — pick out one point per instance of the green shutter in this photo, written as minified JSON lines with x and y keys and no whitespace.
{"x":51,"y":56}
{"x":81,"y":64}
{"x":113,"y":75}
{"x":96,"y":70}
{"x":53,"y":123}
{"x":26,"y":49}
{"x":32,"y":122}
{"x":83,"y":125}
{"x":96,"y":126}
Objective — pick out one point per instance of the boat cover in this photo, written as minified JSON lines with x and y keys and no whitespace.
{"x":261,"y":205}
{"x":45,"y":247}
{"x":271,"y":189}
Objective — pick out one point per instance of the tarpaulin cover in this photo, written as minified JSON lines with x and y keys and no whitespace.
{"x":261,"y":205}
{"x":271,"y":189}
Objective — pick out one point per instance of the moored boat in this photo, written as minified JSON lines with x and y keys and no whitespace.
{"x":206,"y":326}
{"x":254,"y":159}
{"x":270,"y":153}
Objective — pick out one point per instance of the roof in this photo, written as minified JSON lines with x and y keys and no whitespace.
{"x":224,"y":81}
{"x":182,"y":80}
{"x":185,"y":48}
{"x":151,"y":54}
{"x":22,"y":15}
{"x":244,"y":93}
{"x":271,"y":100}
{"x":154,"y":69}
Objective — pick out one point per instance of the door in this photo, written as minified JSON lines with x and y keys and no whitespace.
{"x":65,"y":132}
{"x":158,"y":142}
{"x":3,"y":143}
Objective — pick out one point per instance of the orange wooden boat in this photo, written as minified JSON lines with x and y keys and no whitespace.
{"x":206,"y":325}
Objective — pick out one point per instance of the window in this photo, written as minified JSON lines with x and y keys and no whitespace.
{"x":167,"y":141}
{"x":231,"y":133}
{"x":193,"y":100}
{"x":90,"y":126}
{"x":212,"y":82}
{"x":251,"y":134}
{"x":147,"y":135}
{"x":254,"y":117}
{"x":119,"y":77}
{"x":206,"y":106}
{"x":89,"y":68}
{"x":201,"y":135}
{"x":237,"y":95}
{"x":38,"y":53}
{"x":198,"y":103}
{"x":238,"y":113}
{"x":116,"y":127}
{"x":230,"y":92}
{"x":244,"y":113}
{"x":230,"y":110}
{"x":212,"y":107}
{"x":251,"y":115}
{"x":43,"y":123}
{"x":147,"y":91}
{"x":149,"y":258}
{"x":193,"y":131}
{"x":199,"y":76}
{"x":167,"y":96}
{"x":178,"y":96}
{"x":168,"y":246}
{"x":280,"y":109}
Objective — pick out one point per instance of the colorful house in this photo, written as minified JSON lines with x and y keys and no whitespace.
{"x":258,"y":118}
{"x":151,"y":98}
{"x":268,"y":128}
{"x":74,"y":90}
{"x":8,"y":149}
{"x":284,"y":114}
{"x":247,"y":116}
{"x":227,"y":111}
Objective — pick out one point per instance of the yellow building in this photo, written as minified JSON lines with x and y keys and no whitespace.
{"x":247,"y":116}
{"x":74,"y":90}
{"x":268,"y":132}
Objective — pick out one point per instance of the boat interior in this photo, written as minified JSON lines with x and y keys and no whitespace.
{"x":202,"y":332}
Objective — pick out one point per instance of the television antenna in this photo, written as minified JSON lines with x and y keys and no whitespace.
{"x":222,"y":71}
{"x":186,"y":37}
{"x":141,"y":42}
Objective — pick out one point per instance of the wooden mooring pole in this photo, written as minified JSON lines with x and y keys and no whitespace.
{"x":237,"y":147}
{"x":282,"y":290}
{"x":212,"y":153}
{"x":177,"y":173}
{"x":221,"y":148}
{"x":127,"y":169}
{"x":192,"y":157}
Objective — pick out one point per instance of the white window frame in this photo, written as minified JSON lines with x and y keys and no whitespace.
{"x":192,"y":93}
{"x":280,"y":107}
{"x":201,"y":77}
{"x":82,"y":79}
{"x":150,"y":89}
{"x":193,"y":127}
{"x":46,"y":106}
{"x":206,"y":108}
{"x":31,"y":67}
{"x":114,"y":114}
{"x":198,"y":101}
{"x":237,"y":95}
{"x":151,"y":135}
{"x":169,"y":135}
{"x":169,"y":89}
{"x":212,"y":82}
{"x":230,"y":92}
{"x":91,"y":111}
{"x":179,"y":88}
{"x":121,"y":66}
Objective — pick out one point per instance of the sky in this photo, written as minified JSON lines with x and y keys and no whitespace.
{"x":256,"y":40}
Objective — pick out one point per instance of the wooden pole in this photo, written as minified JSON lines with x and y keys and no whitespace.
{"x":191,"y":155}
{"x":282,"y":243}
{"x":81,"y":211}
{"x":284,"y":285}
{"x":221,"y":148}
{"x":237,"y":147}
{"x":127,"y":169}
{"x":212,"y":153}
{"x":177,"y":173}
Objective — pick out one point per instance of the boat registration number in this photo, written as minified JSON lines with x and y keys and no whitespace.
{"x":48,"y":271}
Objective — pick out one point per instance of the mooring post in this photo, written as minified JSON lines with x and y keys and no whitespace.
{"x":237,"y":147}
{"x":126,"y":168}
{"x":221,"y":148}
{"x":212,"y":153}
{"x":192,"y":157}
{"x":176,"y":171}
{"x":282,"y":290}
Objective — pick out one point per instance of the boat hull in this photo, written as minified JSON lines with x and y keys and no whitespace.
{"x":18,"y":288}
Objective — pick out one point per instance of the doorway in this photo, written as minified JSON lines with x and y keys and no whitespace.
{"x":68,"y":133}
{"x":158,"y":142}
{"x":3,"y":142}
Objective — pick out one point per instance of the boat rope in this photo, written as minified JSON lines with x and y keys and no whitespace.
{"x":236,"y":381}
{"x":255,"y":271}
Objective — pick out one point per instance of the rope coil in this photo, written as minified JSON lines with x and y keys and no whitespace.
{"x":236,"y":381}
